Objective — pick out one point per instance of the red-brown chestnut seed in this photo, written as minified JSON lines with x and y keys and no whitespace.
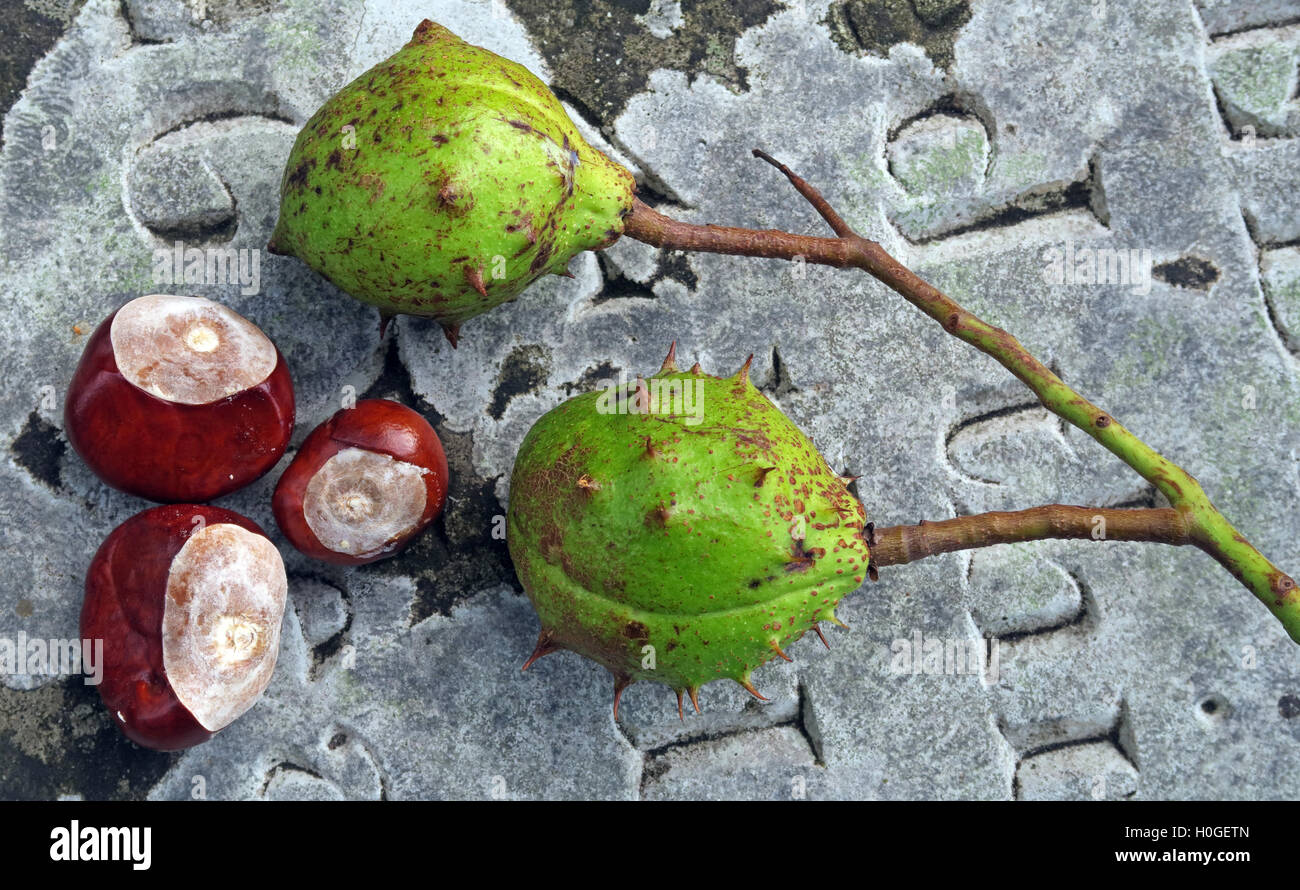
{"x":364,"y":483}
{"x":188,"y":601}
{"x":179,"y":399}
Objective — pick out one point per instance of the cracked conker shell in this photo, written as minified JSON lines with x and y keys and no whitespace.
{"x":179,"y":399}
{"x":363,"y":484}
{"x":707,"y":528}
{"x":188,"y":601}
{"x":444,"y":181}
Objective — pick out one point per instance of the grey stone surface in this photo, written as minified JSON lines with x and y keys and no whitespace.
{"x":1280,"y":275}
{"x":771,"y":764}
{"x":157,"y":21}
{"x":1091,"y":771}
{"x":1254,"y":76}
{"x":1222,"y":17}
{"x":1004,"y":135}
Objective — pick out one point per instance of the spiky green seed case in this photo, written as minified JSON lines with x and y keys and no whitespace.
{"x":717,"y":543}
{"x":444,"y":181}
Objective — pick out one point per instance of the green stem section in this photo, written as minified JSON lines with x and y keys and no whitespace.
{"x":1205,"y":526}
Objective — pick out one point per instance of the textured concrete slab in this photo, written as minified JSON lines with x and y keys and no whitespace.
{"x":1111,"y":182}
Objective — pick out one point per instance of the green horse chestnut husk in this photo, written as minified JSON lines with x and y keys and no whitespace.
{"x":444,"y":181}
{"x":680,"y":530}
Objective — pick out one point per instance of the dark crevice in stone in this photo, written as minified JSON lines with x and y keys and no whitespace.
{"x":612,"y":61}
{"x":463,"y":552}
{"x":577,"y":104}
{"x":1096,"y":193}
{"x":394,"y":382}
{"x":956,"y":105}
{"x":451,"y":566}
{"x":654,"y":765}
{"x":1212,"y":705}
{"x":1122,"y":735}
{"x":1119,"y":736}
{"x":1049,"y":747}
{"x":675,"y":265}
{"x":325,"y":650}
{"x":229,"y":115}
{"x":39,"y":450}
{"x":590,"y":378}
{"x":960,"y":426}
{"x":1081,"y":194}
{"x":1252,"y":229}
{"x":946,"y":108}
{"x":806,"y":723}
{"x":652,"y":769}
{"x":205,"y":232}
{"x":286,"y":766}
{"x":778,"y":381}
{"x":654,"y":193}
{"x":133,"y":30}
{"x":1188,"y":271}
{"x":1288,"y":342}
{"x":1083,"y":620}
{"x":618,"y":286}
{"x":1256,"y":132}
{"x":1285,"y":336}
{"x":198,"y":235}
{"x":1148,"y":498}
{"x":525,"y":370}
{"x":651,"y":187}
{"x":670,"y":265}
{"x":1289,"y":707}
{"x":1257,"y":237}
{"x":1266,"y":26}
{"x":1234,"y":133}
{"x":874,"y":26}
